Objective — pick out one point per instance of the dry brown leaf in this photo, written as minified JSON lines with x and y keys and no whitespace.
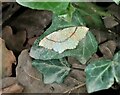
{"x":26,"y":29}
{"x":32,"y":21}
{"x":16,"y":41}
{"x":8,"y":81}
{"x":110,"y":22}
{"x":7,"y":58}
{"x":100,"y":35}
{"x":9,"y":9}
{"x":114,"y":10}
{"x":31,"y":41}
{"x":15,"y":88}
{"x":108,"y":49}
{"x":33,"y":81}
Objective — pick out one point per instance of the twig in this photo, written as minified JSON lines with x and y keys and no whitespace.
{"x":31,"y":76}
{"x":76,"y":87}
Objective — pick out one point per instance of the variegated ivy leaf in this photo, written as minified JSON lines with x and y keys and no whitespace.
{"x":102,"y":73}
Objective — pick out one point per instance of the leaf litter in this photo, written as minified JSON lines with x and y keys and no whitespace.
{"x":30,"y":35}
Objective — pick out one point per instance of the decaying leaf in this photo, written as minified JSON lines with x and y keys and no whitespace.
{"x":31,"y":41}
{"x":32,"y":21}
{"x":9,"y":9}
{"x":100,"y":35}
{"x":110,"y":22}
{"x":7,"y":58}
{"x":32,"y":80}
{"x":15,"y":88}
{"x":108,"y":49}
{"x":24,"y":29}
{"x":13,"y":41}
{"x":64,"y":39}
{"x":8,"y":81}
{"x":114,"y":10}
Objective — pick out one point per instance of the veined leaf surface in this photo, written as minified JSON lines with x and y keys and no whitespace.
{"x":116,"y":67}
{"x":99,"y":75}
{"x":102,"y":73}
{"x":52,"y":70}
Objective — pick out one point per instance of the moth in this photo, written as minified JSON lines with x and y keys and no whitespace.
{"x":67,"y":38}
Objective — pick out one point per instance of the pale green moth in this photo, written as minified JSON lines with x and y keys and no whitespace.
{"x":67,"y":38}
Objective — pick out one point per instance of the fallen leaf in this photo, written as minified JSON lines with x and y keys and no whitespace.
{"x":75,"y":63}
{"x":108,"y":49}
{"x":114,"y":10}
{"x":100,"y":35}
{"x":15,"y":88}
{"x":8,"y":81}
{"x":31,"y":41}
{"x":13,"y":41}
{"x":8,"y":9}
{"x":7,"y":58}
{"x":110,"y":22}
{"x":32,"y":21}
{"x":32,"y":80}
{"x":23,"y":29}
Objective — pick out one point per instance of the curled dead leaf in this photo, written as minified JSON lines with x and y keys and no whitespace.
{"x":7,"y":58}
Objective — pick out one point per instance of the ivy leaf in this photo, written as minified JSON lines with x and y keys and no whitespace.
{"x":55,"y":7}
{"x":67,"y":15}
{"x":92,"y":20}
{"x":116,"y":67}
{"x":99,"y":75}
{"x":117,"y":1}
{"x":83,"y":51}
{"x":91,"y":15}
{"x":77,"y":19}
{"x":52,"y":70}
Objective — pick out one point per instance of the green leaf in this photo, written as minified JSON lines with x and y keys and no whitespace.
{"x":67,"y":15}
{"x":117,"y":1}
{"x":52,"y":70}
{"x":91,"y":15}
{"x":99,"y":75}
{"x":91,"y":8}
{"x":77,"y":19}
{"x":116,"y":66}
{"x":83,"y":51}
{"x":91,"y":20}
{"x":55,"y":7}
